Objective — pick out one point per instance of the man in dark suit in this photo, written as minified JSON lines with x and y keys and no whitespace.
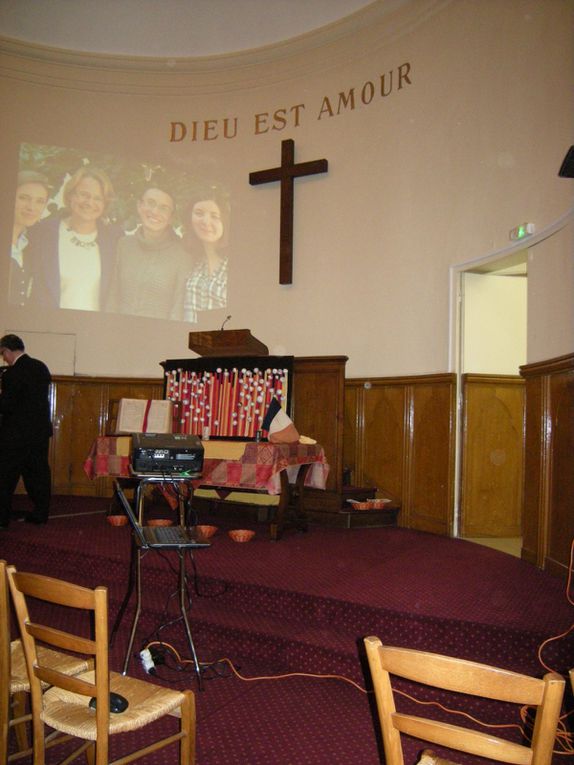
{"x":25,"y":430}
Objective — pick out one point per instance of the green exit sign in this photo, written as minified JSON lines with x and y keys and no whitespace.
{"x":522,"y":231}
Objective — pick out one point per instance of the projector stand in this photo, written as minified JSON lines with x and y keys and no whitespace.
{"x":135,"y":579}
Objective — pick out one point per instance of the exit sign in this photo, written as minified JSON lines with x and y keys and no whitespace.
{"x":522,"y":231}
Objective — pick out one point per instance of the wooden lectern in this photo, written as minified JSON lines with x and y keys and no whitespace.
{"x":227,"y":342}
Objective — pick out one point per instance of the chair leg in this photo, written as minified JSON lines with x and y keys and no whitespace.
{"x":187,"y":744}
{"x":91,"y":755}
{"x":19,"y":710}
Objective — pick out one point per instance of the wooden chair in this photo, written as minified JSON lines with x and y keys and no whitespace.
{"x":13,"y":665}
{"x":65,"y":705}
{"x":462,"y":676}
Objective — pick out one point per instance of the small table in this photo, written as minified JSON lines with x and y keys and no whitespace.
{"x":275,"y":469}
{"x":247,"y":466}
{"x":135,"y":574}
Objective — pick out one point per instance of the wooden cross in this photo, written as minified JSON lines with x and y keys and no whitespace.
{"x":286,"y":174}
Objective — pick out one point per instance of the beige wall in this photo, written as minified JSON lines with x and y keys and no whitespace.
{"x":434,"y":174}
{"x":551,"y":295}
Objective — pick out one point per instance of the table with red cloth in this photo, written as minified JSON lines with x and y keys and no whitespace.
{"x":261,"y":464}
{"x":109,"y":456}
{"x":276,"y":469}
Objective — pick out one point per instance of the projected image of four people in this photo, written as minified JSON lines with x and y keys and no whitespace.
{"x":168,"y":261}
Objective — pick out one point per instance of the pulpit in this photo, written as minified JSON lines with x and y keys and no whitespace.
{"x":312,"y":390}
{"x":316,"y":392}
{"x":227,"y":342}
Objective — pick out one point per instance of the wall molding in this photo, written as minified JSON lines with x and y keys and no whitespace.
{"x":379,"y":24}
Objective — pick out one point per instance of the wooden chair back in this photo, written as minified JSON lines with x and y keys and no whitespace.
{"x":14,"y":686}
{"x":14,"y":694}
{"x":58,"y":699}
{"x":4,"y":664}
{"x":462,"y":676}
{"x":55,"y":591}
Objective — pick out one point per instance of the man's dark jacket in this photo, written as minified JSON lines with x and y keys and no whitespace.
{"x":24,"y":403}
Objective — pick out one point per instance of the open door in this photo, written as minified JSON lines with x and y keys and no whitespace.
{"x":492,"y":347}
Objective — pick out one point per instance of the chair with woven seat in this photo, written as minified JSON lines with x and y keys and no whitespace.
{"x":80,"y":706}
{"x":467,"y":677}
{"x":13,"y":665}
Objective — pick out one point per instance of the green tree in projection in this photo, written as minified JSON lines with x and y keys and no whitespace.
{"x":129,"y":178}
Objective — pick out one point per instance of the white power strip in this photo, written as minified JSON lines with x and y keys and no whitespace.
{"x":147,"y":661}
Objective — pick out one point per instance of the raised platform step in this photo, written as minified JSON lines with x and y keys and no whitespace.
{"x":315,"y":595}
{"x":330,"y":508}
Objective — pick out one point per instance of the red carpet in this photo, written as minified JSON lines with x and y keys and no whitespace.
{"x":303,"y":605}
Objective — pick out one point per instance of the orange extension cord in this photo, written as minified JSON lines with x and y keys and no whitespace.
{"x":564,"y":738}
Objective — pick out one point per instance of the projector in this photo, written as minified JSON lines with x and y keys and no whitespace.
{"x":167,"y":453}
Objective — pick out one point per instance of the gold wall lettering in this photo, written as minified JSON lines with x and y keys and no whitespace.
{"x":291,"y":116}
{"x":383,"y":87}
{"x":203,"y":130}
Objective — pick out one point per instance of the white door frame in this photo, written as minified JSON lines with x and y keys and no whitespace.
{"x":455,"y":331}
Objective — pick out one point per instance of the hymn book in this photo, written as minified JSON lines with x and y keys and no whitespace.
{"x":144,"y":416}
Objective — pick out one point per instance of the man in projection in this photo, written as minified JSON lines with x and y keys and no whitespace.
{"x":152,"y":265}
{"x":25,"y":430}
{"x":32,"y":195}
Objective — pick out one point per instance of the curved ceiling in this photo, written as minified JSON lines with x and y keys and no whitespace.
{"x":169,"y":28}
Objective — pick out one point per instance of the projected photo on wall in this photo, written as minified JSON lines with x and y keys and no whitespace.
{"x":93,"y":232}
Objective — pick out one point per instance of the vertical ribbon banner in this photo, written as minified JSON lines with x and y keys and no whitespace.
{"x":146,"y":415}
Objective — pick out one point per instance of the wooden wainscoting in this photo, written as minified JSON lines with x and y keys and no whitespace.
{"x":399,"y":436}
{"x":548,"y":529}
{"x":492,"y":453}
{"x":80,"y":408}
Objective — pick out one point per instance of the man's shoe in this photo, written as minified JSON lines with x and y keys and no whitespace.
{"x":38,"y":520}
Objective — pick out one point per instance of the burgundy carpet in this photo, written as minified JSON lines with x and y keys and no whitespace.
{"x":304,"y":604}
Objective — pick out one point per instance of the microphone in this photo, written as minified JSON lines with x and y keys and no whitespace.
{"x":225,"y":322}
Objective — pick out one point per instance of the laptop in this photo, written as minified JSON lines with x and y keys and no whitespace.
{"x":166,"y":537}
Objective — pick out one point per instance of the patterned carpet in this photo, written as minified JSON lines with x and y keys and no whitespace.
{"x":303,"y":605}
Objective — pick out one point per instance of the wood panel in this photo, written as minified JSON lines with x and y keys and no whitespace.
{"x":560,"y":527}
{"x":492,"y":455}
{"x":548,"y":479}
{"x":430,"y":460}
{"x":351,"y":427}
{"x":79,"y":413}
{"x":535,"y":458}
{"x":62,"y":443}
{"x":384,"y":447}
{"x":402,"y":430}
{"x":318,"y":407}
{"x":84,"y":427}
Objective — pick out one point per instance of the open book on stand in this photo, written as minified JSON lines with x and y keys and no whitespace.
{"x":144,"y":416}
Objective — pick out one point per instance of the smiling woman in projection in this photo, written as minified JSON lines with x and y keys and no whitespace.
{"x":72,"y":257}
{"x":206,"y":238}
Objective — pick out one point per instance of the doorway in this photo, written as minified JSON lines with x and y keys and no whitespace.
{"x":491,"y":346}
